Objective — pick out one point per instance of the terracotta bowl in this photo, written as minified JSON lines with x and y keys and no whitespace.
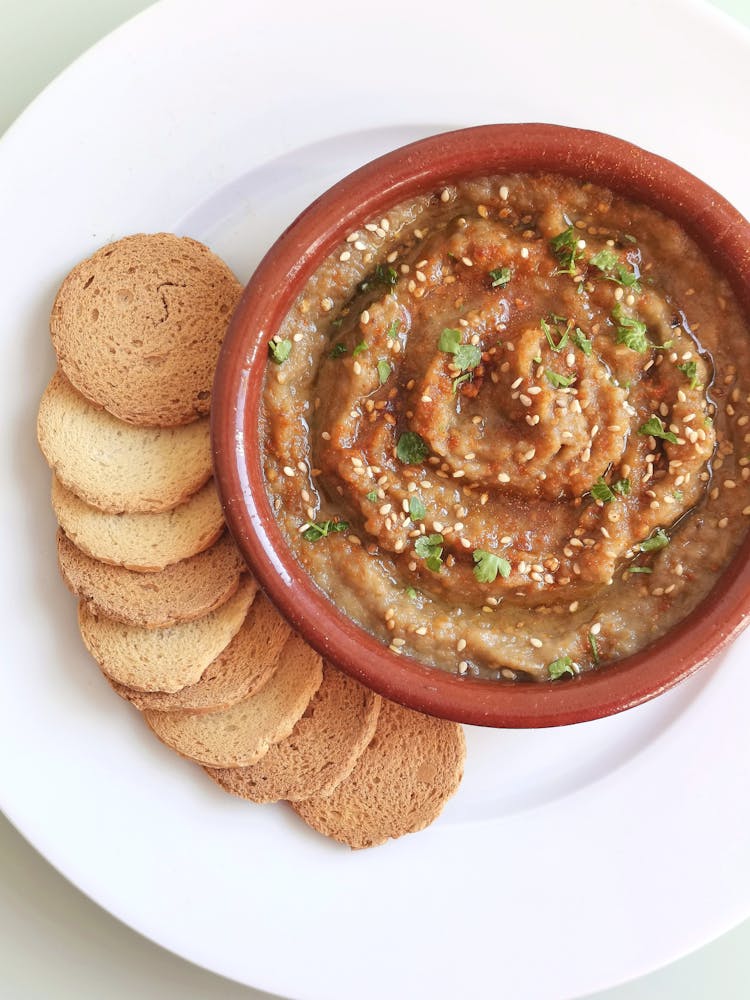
{"x":376,"y":187}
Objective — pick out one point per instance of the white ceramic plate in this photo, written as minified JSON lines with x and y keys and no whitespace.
{"x":569,"y":860}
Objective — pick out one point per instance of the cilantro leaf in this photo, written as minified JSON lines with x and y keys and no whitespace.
{"x":316,"y":531}
{"x":601,"y":491}
{"x":581,"y":342}
{"x":359,"y":348}
{"x":372,"y":496}
{"x":562,"y":665}
{"x":411,"y":448}
{"x":690,"y":370}
{"x":640,"y":569}
{"x":622,"y":486}
{"x":548,"y":333}
{"x":279,"y":350}
{"x":500,"y":277}
{"x":384,"y":370}
{"x":338,"y":351}
{"x":459,"y":381}
{"x":565,"y":248}
{"x":655,"y":428}
{"x":449,"y":340}
{"x":410,"y":592}
{"x":392,"y":331}
{"x":630,"y":331}
{"x":605,"y":259}
{"x":417,"y":509}
{"x":382,"y":275}
{"x":489,"y":566}
{"x":430,"y":548}
{"x":658,"y":540}
{"x":558,"y":381}
{"x":626,"y":278}
{"x":468,"y":356}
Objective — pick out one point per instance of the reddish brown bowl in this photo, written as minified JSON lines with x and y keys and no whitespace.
{"x":367,"y":193}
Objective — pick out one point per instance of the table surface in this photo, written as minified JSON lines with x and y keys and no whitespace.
{"x":88,"y":954}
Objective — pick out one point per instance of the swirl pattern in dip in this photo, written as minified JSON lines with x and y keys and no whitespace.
{"x":506,"y":426}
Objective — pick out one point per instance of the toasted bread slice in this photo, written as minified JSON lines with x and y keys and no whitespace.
{"x":146,"y":543}
{"x":164,"y":659}
{"x":180,"y":593}
{"x":399,"y":785}
{"x":137,"y":327}
{"x":239,"y":671}
{"x":319,"y":753}
{"x":113,"y":465}
{"x":240,"y":735}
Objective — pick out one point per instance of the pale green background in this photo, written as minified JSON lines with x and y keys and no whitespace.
{"x":55,"y":943}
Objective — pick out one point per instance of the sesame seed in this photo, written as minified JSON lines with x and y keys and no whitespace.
{"x":345,"y":255}
{"x":359,"y":245}
{"x":503,"y":477}
{"x":420,"y":276}
{"x":525,"y":252}
{"x":729,"y":484}
{"x":445,"y":195}
{"x":352,"y":237}
{"x":596,"y":628}
{"x":461,"y":645}
{"x":572,"y":608}
{"x":326,"y":304}
{"x":467,"y":261}
{"x":288,"y":471}
{"x":463,"y":667}
{"x":723,"y":522}
{"x":357,"y":368}
{"x":364,"y":317}
{"x":536,"y":643}
{"x":527,"y":457}
{"x":504,"y":192}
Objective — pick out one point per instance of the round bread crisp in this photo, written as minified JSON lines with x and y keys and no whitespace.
{"x":115,"y":466}
{"x":146,"y":543}
{"x":319,"y":753}
{"x":180,"y":593}
{"x":399,"y":785}
{"x":138,"y":326}
{"x":241,"y":670}
{"x":164,"y":659}
{"x":240,"y":735}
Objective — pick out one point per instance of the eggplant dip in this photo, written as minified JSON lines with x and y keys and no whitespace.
{"x":507,"y":427}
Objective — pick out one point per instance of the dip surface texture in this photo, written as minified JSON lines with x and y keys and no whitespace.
{"x":507,"y":426}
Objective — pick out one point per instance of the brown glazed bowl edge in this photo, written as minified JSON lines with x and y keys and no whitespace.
{"x":424,"y":165}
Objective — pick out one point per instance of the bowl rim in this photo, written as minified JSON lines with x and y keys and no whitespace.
{"x":428,"y":164}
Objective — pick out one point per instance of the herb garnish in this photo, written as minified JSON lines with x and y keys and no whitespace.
{"x":417,"y":509}
{"x":594,"y":648}
{"x":467,"y":356}
{"x":392,"y":330}
{"x":601,"y":491}
{"x":640,"y":569}
{"x":562,"y":665}
{"x":362,"y":346}
{"x":655,"y":428}
{"x":630,"y":331}
{"x":338,"y":351}
{"x":500,"y":277}
{"x":690,"y":370}
{"x":622,"y":486}
{"x":458,"y":382}
{"x":372,"y":496}
{"x":605,"y":259}
{"x":316,"y":531}
{"x":489,"y":566}
{"x":384,"y":370}
{"x":430,"y":548}
{"x":411,"y":448}
{"x":279,"y":350}
{"x":558,"y":381}
{"x":608,"y":261}
{"x":382,"y":275}
{"x":658,"y":540}
{"x":565,"y":248}
{"x":557,"y":321}
{"x":581,"y":342}
{"x":410,"y":592}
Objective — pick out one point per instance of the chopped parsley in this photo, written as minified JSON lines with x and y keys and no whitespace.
{"x":392,"y":331}
{"x":655,"y":428}
{"x":640,"y":569}
{"x":626,"y":278}
{"x":558,"y":381}
{"x":605,"y":260}
{"x":565,"y":248}
{"x":411,"y":448}
{"x":410,"y":592}
{"x":594,"y":648}
{"x":622,"y":486}
{"x":384,"y":370}
{"x":658,"y":540}
{"x":372,"y":496}
{"x":417,"y":509}
{"x":500,"y":277}
{"x":601,"y":491}
{"x":690,"y":370}
{"x":562,"y":665}
{"x":314,"y":532}
{"x":338,"y":351}
{"x":362,"y":346}
{"x":556,"y":320}
{"x":630,"y":331}
{"x":489,"y":566}
{"x":382,"y":275}
{"x":678,"y":495}
{"x":582,"y":343}
{"x":279,"y":350}
{"x":467,"y":356}
{"x":430,"y":548}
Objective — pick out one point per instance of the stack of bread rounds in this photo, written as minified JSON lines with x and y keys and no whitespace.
{"x":166,"y":606}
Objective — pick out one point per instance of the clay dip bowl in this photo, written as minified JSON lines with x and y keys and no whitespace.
{"x":425,"y":166}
